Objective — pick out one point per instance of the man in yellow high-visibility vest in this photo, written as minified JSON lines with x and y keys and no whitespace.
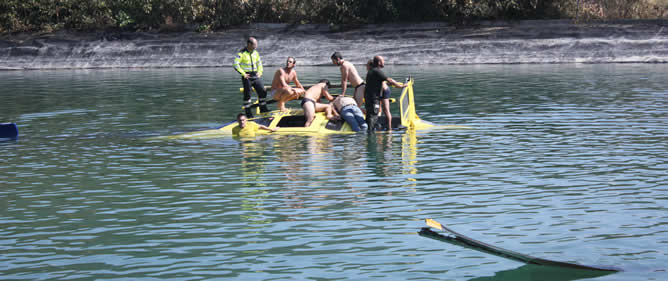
{"x":249,"y":65}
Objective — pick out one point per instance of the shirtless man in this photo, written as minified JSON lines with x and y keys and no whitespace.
{"x":349,"y":74}
{"x":310,"y":102}
{"x":281,"y":90}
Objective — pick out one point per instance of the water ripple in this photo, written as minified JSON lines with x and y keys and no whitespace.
{"x":570,"y":171}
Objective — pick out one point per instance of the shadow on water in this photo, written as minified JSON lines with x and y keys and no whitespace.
{"x":529,"y":272}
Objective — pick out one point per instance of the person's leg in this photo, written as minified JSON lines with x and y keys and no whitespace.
{"x":359,"y":95}
{"x":331,"y":113}
{"x":386,"y":110}
{"x":261,"y":94}
{"x":281,"y":97}
{"x":293,"y":94}
{"x":247,"y":97}
{"x":349,"y":115}
{"x":371,"y":121}
{"x":359,"y":116}
{"x":371,"y":115}
{"x":298,"y":93}
{"x":309,"y":113}
{"x":321,"y":107}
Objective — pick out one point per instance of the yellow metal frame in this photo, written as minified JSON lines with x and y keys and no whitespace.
{"x":409,"y":117}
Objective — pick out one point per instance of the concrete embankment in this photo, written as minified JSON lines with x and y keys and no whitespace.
{"x":558,"y":41}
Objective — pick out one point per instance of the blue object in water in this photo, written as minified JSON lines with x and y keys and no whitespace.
{"x":9,"y":131}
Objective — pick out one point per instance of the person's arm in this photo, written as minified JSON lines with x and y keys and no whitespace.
{"x":329,"y":97}
{"x":263,"y":127}
{"x":237,"y":66}
{"x":259,"y":65}
{"x":297,"y":83}
{"x":395,"y":83}
{"x":331,"y":112}
{"x":344,"y":80}
{"x":277,"y":77}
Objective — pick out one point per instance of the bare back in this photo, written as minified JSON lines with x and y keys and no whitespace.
{"x":311,"y":102}
{"x":316,"y":92}
{"x":342,"y":101}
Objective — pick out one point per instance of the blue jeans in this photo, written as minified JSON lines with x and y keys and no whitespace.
{"x":353,"y":115}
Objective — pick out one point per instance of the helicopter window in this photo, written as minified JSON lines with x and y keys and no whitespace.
{"x":292,"y":121}
{"x":263,"y":121}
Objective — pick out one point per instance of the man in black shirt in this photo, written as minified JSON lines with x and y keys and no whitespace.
{"x":374,"y":84}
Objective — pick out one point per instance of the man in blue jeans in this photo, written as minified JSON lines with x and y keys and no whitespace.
{"x":347,"y":108}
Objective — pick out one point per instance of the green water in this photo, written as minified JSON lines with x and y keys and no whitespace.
{"x":565,"y":162}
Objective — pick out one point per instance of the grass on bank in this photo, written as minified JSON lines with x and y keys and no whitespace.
{"x":210,"y":15}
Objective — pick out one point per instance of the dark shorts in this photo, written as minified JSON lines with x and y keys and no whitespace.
{"x":385,"y":93}
{"x":360,"y":85}
{"x":305,"y":100}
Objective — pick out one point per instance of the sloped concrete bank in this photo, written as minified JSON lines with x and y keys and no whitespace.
{"x":557,"y":41}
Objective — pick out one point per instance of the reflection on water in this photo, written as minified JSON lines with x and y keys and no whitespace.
{"x":409,"y":154}
{"x":561,"y":157}
{"x":531,"y":272}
